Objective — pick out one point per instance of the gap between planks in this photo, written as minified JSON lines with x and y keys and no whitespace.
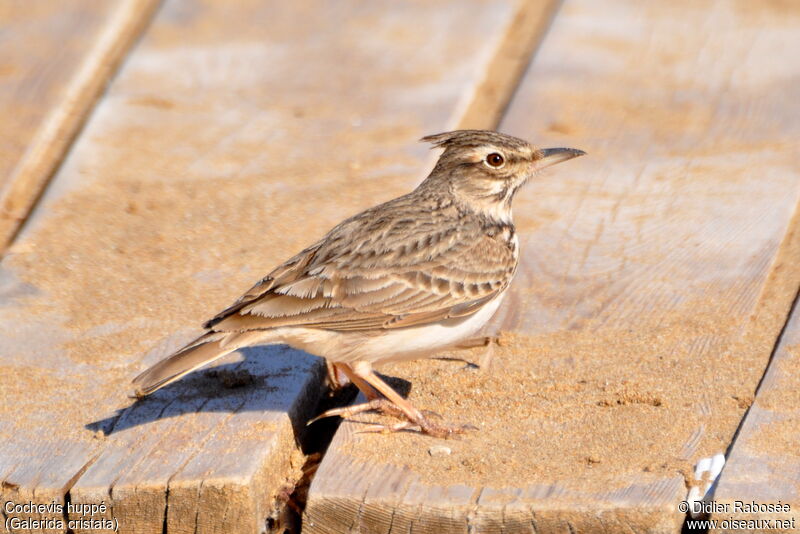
{"x":761,"y":462}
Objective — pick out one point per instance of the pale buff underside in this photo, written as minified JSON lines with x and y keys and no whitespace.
{"x":388,"y":346}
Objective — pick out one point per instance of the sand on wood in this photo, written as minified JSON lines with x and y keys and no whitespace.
{"x":656,"y":276}
{"x":55,"y":59}
{"x":212,"y":158}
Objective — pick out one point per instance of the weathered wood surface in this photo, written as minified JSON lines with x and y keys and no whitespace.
{"x":351,"y":495}
{"x":525,"y":31}
{"x":763,"y":466}
{"x":55,"y":59}
{"x":234,"y":135}
{"x":657,"y":273}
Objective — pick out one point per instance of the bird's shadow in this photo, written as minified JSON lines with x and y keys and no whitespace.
{"x":274,"y":378}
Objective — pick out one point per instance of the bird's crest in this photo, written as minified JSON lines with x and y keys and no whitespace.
{"x":472,"y":138}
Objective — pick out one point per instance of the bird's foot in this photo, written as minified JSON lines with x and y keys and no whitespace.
{"x":384,"y":399}
{"x":421,"y":425}
{"x":436,"y":430}
{"x":444,"y":430}
{"x":380,"y":405}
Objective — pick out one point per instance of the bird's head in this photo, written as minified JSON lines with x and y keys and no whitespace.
{"x":484,"y":169}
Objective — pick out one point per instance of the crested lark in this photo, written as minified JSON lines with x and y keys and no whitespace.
{"x":398,"y":281}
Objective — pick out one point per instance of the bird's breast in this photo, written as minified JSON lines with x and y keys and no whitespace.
{"x":510,"y":237}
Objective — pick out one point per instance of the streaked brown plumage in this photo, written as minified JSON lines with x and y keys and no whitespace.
{"x":399,"y":280}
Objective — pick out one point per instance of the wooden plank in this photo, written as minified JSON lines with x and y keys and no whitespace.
{"x":657,"y":274}
{"x":349,"y":494}
{"x":55,"y":60}
{"x":762,"y":466}
{"x":519,"y":41}
{"x":213,"y":156}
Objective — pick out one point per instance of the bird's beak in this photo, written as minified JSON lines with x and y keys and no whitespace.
{"x":551,"y":156}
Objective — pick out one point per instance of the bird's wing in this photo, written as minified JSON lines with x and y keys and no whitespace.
{"x":401,"y":279}
{"x":284,"y":274}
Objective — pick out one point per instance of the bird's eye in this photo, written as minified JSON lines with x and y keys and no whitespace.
{"x":495,"y":160}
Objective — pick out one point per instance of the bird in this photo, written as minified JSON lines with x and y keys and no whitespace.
{"x":402,"y":280}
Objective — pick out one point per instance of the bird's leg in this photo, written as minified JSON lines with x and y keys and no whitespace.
{"x":381,"y":397}
{"x":363,"y":370}
{"x":374,"y":399}
{"x":485,"y":359}
{"x":335,"y":380}
{"x":369,"y":392}
{"x":473,"y":342}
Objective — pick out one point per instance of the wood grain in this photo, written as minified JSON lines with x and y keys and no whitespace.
{"x":55,"y":60}
{"x":233,"y":136}
{"x":763,"y":466}
{"x":352,"y":495}
{"x":661,"y":264}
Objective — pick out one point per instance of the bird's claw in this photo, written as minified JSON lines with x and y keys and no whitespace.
{"x":388,"y":429}
{"x":444,"y":430}
{"x":438,"y":430}
{"x":420,"y":424}
{"x":381,"y":405}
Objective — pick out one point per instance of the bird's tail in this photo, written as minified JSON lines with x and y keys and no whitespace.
{"x":201,"y":351}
